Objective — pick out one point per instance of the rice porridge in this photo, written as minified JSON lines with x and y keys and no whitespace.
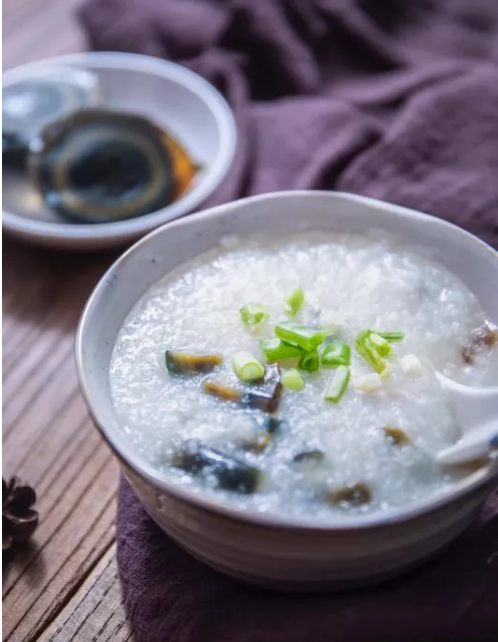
{"x":298,"y":377}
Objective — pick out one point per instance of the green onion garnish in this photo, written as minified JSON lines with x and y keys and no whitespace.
{"x":336,"y":353}
{"x":391,"y":336}
{"x":337,"y":385}
{"x":368,"y":351}
{"x":247,"y":367}
{"x":276,"y":350}
{"x":294,"y":302}
{"x":253,"y":313}
{"x":382,"y":346}
{"x":300,"y":335}
{"x":310,"y":361}
{"x":292,"y":379}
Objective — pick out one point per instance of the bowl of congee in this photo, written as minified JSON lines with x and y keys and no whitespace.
{"x":279,"y":377}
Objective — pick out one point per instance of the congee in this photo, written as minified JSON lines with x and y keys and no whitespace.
{"x":297,"y":377}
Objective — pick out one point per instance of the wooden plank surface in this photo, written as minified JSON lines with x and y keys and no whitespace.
{"x":65,"y":586}
{"x":95,"y":612}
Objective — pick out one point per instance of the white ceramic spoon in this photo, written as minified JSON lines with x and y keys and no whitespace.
{"x":477,"y":413}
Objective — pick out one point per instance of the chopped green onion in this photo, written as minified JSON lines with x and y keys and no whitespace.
{"x":391,"y":336}
{"x":310,"y":361}
{"x":336,"y":353}
{"x":253,"y":313}
{"x":294,"y":302}
{"x":382,"y":346}
{"x":276,"y":350}
{"x":247,"y":367}
{"x":368,"y":351}
{"x":337,"y":385}
{"x":292,"y":379}
{"x":300,"y":335}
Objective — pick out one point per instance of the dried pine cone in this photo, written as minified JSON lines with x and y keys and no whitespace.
{"x":19,"y":520}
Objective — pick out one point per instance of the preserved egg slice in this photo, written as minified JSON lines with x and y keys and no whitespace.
{"x":99,"y":166}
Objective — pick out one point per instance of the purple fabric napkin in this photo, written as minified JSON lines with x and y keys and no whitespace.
{"x":394,"y":99}
{"x":171,"y":597}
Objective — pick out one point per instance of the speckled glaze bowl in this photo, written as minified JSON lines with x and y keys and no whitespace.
{"x":263,"y":549}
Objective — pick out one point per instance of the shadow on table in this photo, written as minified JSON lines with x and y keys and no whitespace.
{"x":27,"y":560}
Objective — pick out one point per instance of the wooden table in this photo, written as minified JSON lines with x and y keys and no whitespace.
{"x":64,"y":587}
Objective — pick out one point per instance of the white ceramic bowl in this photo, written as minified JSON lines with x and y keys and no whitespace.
{"x":168,"y":94}
{"x":260,"y":548}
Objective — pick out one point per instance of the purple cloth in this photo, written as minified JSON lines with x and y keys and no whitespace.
{"x":171,"y":597}
{"x":395,"y":99}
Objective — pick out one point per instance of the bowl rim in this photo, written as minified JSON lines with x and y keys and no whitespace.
{"x":120,"y":231}
{"x":207,"y":501}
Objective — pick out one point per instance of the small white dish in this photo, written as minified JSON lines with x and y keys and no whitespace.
{"x":261,"y":548}
{"x":170,"y":95}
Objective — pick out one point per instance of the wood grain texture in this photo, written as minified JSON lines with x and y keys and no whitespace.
{"x":64,"y":586}
{"x":50,"y":442}
{"x":95,"y":611}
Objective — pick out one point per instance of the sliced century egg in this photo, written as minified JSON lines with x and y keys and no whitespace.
{"x":351,"y":496}
{"x":100,"y":166}
{"x":230,"y":473}
{"x":184,"y":169}
{"x":14,"y":150}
